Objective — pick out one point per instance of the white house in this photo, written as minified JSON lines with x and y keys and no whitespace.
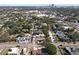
{"x":14,"y":51}
{"x":21,"y":39}
{"x":42,"y":15}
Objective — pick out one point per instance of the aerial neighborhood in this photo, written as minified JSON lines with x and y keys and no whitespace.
{"x":39,"y":30}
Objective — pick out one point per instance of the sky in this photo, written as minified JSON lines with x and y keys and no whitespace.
{"x":37,"y":2}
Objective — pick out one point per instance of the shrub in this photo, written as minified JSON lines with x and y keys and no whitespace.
{"x":51,"y":49}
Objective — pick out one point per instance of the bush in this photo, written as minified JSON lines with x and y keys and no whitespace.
{"x":51,"y":49}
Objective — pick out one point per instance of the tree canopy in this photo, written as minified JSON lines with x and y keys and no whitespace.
{"x":51,"y":49}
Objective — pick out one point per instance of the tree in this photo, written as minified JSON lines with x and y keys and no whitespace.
{"x":51,"y":49}
{"x":14,"y":30}
{"x":75,"y":37}
{"x":4,"y":37}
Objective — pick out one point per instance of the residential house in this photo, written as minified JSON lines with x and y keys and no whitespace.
{"x":14,"y":51}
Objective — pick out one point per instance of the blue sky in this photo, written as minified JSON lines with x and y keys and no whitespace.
{"x":37,"y":2}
